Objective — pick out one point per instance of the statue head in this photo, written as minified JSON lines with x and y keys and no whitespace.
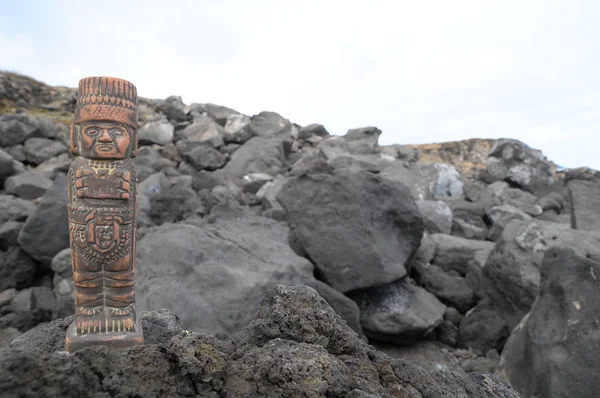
{"x":105,"y":124}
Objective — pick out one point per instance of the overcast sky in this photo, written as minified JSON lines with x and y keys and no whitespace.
{"x":421,"y":71}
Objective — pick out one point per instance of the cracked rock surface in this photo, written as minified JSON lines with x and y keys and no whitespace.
{"x":294,"y":346}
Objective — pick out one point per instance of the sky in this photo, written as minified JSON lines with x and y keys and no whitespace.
{"x":421,"y":71}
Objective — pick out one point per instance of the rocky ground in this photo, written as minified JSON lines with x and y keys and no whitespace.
{"x":459,"y":257}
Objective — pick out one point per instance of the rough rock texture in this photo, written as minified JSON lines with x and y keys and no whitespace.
{"x":357,"y":228}
{"x":555,"y":350}
{"x":219,"y":271}
{"x":584,"y":195}
{"x":516,"y":163}
{"x":399,"y":312}
{"x":295,"y":346}
{"x":511,"y":275}
{"x":46,"y":232}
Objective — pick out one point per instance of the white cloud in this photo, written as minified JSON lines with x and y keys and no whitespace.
{"x":420,"y":71}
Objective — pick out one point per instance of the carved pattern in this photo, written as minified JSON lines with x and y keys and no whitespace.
{"x":102,"y":208}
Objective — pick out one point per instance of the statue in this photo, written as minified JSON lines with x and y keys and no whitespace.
{"x":102,"y":208}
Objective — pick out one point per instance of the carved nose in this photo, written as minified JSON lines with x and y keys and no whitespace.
{"x":105,"y":136}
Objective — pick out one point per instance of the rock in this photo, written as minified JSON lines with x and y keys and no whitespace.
{"x":159,"y":327}
{"x":399,"y":312}
{"x":204,"y":180}
{"x":343,"y":306}
{"x":235,"y":130}
{"x":18,"y":127}
{"x":150,"y":157}
{"x":427,"y":181}
{"x":437,"y":216}
{"x":502,"y":215}
{"x":38,"y":150}
{"x":554,"y":350}
{"x":586,"y":204}
{"x":358,"y":229}
{"x":333,"y":147}
{"x":6,"y":297}
{"x":269,"y":124}
{"x":254,"y":181}
{"x":215,"y":274}
{"x":483,"y":329}
{"x":54,"y":166}
{"x":267,"y":194}
{"x":30,"y":307}
{"x":311,"y":163}
{"x":467,"y":220}
{"x":9,"y":232}
{"x":516,"y":163}
{"x":15,"y":209}
{"x":450,"y":288}
{"x":295,"y":346}
{"x":27,"y":185}
{"x":173,"y":108}
{"x":154,"y":185}
{"x":7,"y":168}
{"x":258,"y":155}
{"x":205,"y":157}
{"x":7,"y":335}
{"x":46,"y":231}
{"x":158,"y":132}
{"x":204,"y":130}
{"x":312,"y":130}
{"x":358,"y":163}
{"x":175,"y":204}
{"x":17,"y":269}
{"x":63,"y":287}
{"x":430,"y":355}
{"x":454,"y":253}
{"x":511,"y":274}
{"x":368,"y":135}
{"x":444,"y":181}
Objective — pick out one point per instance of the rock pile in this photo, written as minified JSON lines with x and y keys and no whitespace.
{"x":422,"y":258}
{"x":296,"y":346}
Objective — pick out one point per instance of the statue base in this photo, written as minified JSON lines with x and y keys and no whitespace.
{"x":124,"y":339}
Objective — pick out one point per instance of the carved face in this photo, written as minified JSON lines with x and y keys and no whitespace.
{"x":104,"y":140}
{"x":105,"y":236}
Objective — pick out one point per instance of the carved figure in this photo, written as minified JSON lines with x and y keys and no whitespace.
{"x":102,"y":207}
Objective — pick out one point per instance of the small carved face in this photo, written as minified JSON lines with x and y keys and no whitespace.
{"x":105,"y":236}
{"x":104,"y":141}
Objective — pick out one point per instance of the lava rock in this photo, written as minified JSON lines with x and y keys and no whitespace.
{"x":554,"y":351}
{"x":46,"y":231}
{"x":399,"y":312}
{"x":358,"y":229}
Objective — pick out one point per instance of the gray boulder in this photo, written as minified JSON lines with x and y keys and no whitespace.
{"x":38,"y":150}
{"x":158,"y":132}
{"x":555,"y":351}
{"x":15,"y":209}
{"x":46,"y":231}
{"x":399,"y":312}
{"x":214,"y":276}
{"x":516,"y":163}
{"x":585,"y":199}
{"x":18,"y":127}
{"x":358,"y":229}
{"x":511,"y":275}
{"x":28,"y":185}
{"x":258,"y":155}
{"x":7,"y":167}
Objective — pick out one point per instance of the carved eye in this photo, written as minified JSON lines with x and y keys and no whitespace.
{"x":117,"y":132}
{"x":92,"y":132}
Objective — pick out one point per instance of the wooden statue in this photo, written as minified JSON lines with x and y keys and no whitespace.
{"x":102,"y":207}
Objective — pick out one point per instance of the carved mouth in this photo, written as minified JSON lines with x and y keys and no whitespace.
{"x":105,"y":148}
